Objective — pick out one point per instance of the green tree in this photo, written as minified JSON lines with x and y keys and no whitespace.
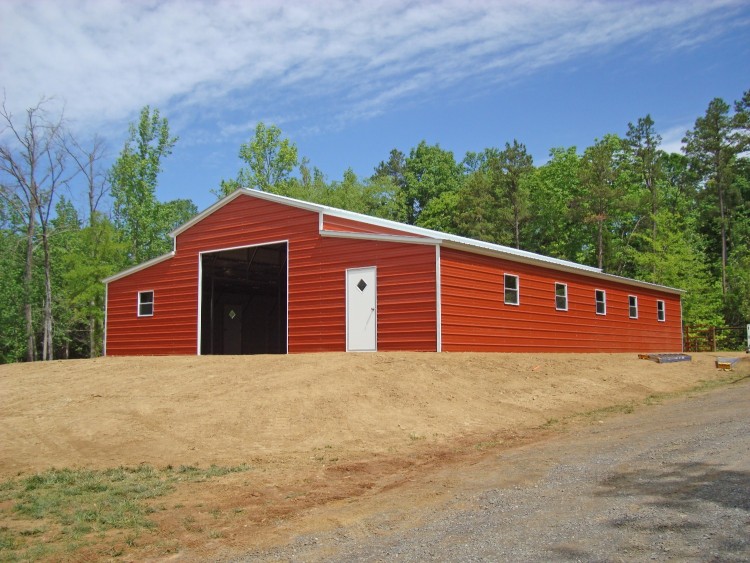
{"x":510,"y":174}
{"x":270,"y":160}
{"x":554,"y":226}
{"x":737,"y":300}
{"x":394,"y":169}
{"x":138,"y":214}
{"x":602,"y":196}
{"x":477,"y":209}
{"x":429,"y":172}
{"x":712,"y":148}
{"x":95,"y":252}
{"x":642,"y":143}
{"x":33,"y":167}
{"x":476,"y":161}
{"x":13,"y":342}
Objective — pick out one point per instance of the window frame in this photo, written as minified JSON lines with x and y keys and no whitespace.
{"x":141,"y":302}
{"x":564,"y":296}
{"x":603,"y":301}
{"x":517,"y":290}
{"x":661,"y":311}
{"x":633,"y":306}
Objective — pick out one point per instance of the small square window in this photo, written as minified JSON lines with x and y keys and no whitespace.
{"x":601,"y":302}
{"x":633,"y":306}
{"x":561,"y":297}
{"x":145,"y":303}
{"x":661,"y":314}
{"x":511,"y":289}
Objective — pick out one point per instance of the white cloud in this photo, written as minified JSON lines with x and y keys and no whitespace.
{"x":108,"y":58}
{"x":671,"y":139}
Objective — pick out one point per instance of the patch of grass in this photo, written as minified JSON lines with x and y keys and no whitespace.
{"x":196,"y":474}
{"x":488,"y":444}
{"x":551,"y":422}
{"x":79,"y":506}
{"x":624,"y":408}
{"x":8,"y":540}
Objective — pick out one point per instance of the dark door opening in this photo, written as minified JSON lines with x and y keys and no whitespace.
{"x":243,"y":300}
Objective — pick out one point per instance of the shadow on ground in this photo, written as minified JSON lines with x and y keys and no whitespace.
{"x":683,"y":510}
{"x":682,"y":486}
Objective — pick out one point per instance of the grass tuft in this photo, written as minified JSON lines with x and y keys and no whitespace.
{"x":74,"y":504}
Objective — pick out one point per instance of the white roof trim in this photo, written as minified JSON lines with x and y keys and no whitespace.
{"x":139,"y":267}
{"x":255,"y":193}
{"x":430,"y":236}
{"x":379,"y":237}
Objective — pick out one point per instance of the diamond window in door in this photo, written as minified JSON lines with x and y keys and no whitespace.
{"x":361,"y":285}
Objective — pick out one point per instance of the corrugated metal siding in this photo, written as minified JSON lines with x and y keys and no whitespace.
{"x":316,"y":270}
{"x":172,"y":328}
{"x":406,"y":295}
{"x":475,"y":317}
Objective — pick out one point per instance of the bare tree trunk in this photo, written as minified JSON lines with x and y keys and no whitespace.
{"x":600,"y":246}
{"x":27,"y":279}
{"x":47,"y":344}
{"x":33,"y":158}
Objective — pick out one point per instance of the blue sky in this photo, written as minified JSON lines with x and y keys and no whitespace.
{"x":348,"y":81}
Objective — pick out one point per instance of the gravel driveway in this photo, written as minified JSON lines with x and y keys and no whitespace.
{"x":667,"y":482}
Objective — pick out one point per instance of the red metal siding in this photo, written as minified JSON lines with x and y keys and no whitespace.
{"x":317,"y":301}
{"x":473,"y":314}
{"x":171,"y":329}
{"x":475,"y":317}
{"x":406,"y":295}
{"x":350,"y":226}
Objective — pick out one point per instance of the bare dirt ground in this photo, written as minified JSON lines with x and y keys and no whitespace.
{"x":329,"y":438}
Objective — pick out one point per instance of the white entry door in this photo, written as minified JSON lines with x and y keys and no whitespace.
{"x":361,"y":310}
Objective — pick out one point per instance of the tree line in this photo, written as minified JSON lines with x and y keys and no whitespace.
{"x":622,"y":204}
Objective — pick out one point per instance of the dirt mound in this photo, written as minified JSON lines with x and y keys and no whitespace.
{"x":294,"y":409}
{"x":313,"y":429}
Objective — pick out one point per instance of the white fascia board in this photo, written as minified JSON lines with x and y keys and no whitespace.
{"x":380,"y":237}
{"x":139,"y":267}
{"x":206,"y":212}
{"x":490,"y":249}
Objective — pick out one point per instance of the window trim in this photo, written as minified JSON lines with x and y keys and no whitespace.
{"x":517,"y":290}
{"x":564,"y":296}
{"x":661,"y":311}
{"x":141,"y":302}
{"x":633,"y":306}
{"x":603,"y":301}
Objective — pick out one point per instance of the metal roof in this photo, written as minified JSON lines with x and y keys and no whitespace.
{"x":433,"y":237}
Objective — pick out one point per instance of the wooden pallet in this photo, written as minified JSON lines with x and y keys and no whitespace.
{"x":726,"y":363}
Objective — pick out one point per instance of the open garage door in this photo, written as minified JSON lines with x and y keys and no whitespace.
{"x":244,"y":300}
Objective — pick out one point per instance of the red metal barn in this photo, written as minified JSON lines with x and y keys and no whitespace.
{"x":261,"y":273}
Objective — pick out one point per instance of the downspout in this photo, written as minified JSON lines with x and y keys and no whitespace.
{"x":106,"y":309}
